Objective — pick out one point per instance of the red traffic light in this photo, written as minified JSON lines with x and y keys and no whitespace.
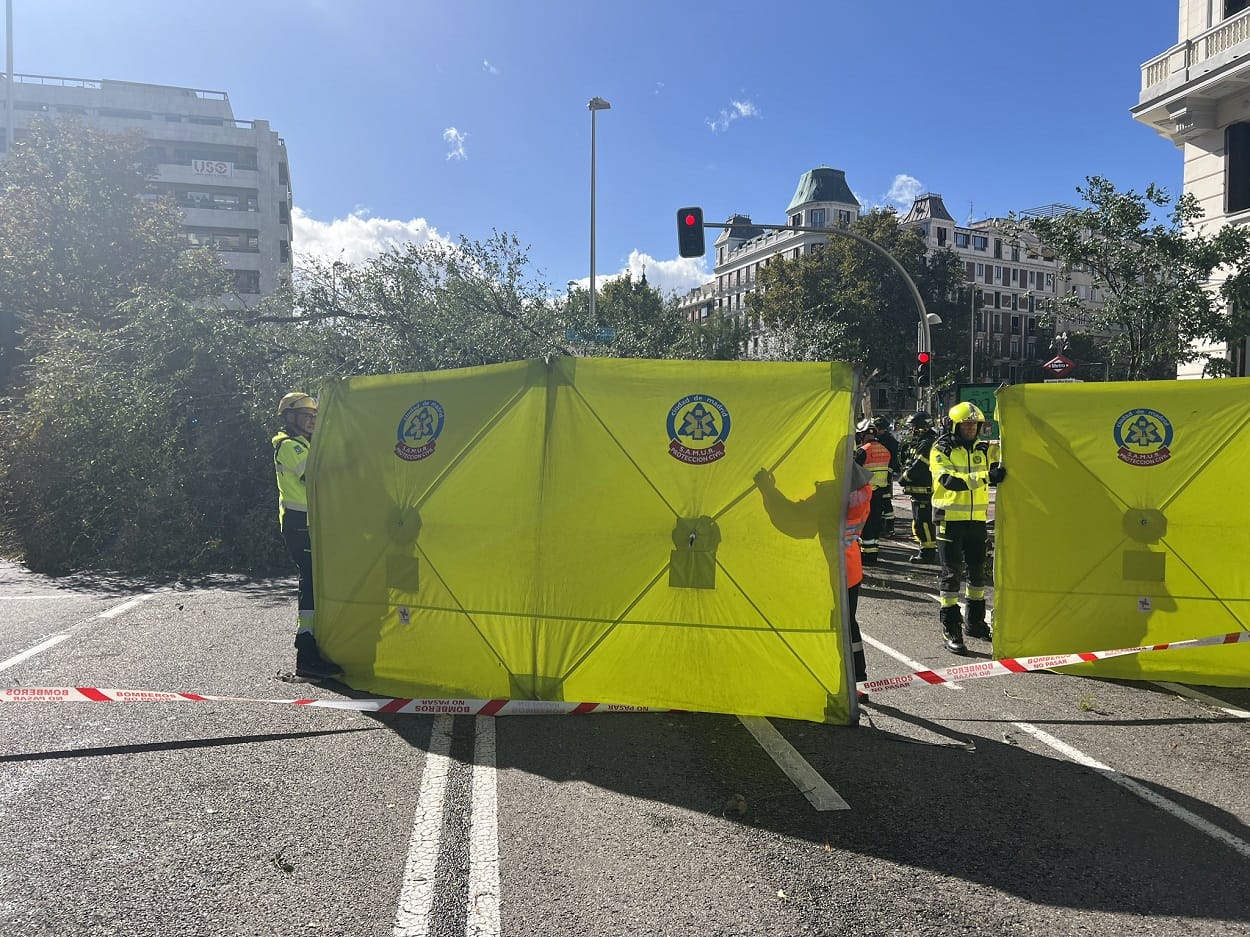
{"x":691,"y":220}
{"x":922,"y":357}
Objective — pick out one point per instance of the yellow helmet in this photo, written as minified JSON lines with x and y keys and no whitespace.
{"x":296,"y":400}
{"x":965,"y":412}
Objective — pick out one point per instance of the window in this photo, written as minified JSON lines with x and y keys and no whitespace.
{"x":980,"y":242}
{"x":816,"y":217}
{"x":998,"y":248}
{"x":998,"y":274}
{"x":1233,"y":7}
{"x":961,"y":238}
{"x":1015,"y":276}
{"x":844,"y":218}
{"x":998,"y":302}
{"x":998,"y":325}
{"x":941,"y":237}
{"x":970,"y":269}
{"x":1015,"y":254}
{"x":796,"y":220}
{"x":980,"y":270}
{"x":1032,"y":326}
{"x":247,"y":281}
{"x":1237,"y":167}
{"x":989,"y":273}
{"x":1015,"y":325}
{"x":1015,"y":347}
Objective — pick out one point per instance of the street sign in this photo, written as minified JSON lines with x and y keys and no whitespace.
{"x":1059,"y":366}
{"x":603,"y":334}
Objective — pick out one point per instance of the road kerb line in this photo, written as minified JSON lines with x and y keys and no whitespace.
{"x":416,"y":892}
{"x":31,"y":652}
{"x":916,"y":666}
{"x":1193,"y":694}
{"x":1136,"y":788}
{"x":811,"y":785}
{"x":483,"y":916}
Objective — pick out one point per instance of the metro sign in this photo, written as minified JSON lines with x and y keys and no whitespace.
{"x":1059,"y":365}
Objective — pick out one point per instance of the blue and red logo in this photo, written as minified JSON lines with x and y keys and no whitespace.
{"x":419,"y":430}
{"x":698,"y":426}
{"x":1143,"y":437}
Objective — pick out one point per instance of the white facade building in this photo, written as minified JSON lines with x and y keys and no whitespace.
{"x":1194,"y":94}
{"x":1012,"y":283}
{"x":229,"y":177}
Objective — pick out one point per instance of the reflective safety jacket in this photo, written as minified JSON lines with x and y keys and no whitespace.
{"x":858,"y":507}
{"x":290,"y":456}
{"x":961,"y":483}
{"x":916,"y":478}
{"x":876,"y":458}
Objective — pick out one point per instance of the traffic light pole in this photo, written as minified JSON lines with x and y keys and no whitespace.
{"x":911,"y":284}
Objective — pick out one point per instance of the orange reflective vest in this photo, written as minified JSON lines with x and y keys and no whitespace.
{"x":877,"y":461}
{"x":857,"y":509}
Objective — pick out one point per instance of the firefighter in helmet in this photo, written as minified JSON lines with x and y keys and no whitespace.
{"x":917,"y":483}
{"x":298,"y":412}
{"x":962,"y":470}
{"x":874,"y":457}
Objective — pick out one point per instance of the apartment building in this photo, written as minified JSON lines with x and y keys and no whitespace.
{"x":1010,"y":283}
{"x":229,"y":177}
{"x":1194,"y":94}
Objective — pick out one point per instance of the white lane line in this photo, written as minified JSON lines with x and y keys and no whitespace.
{"x":903,"y":659}
{"x":483,"y":920}
{"x":810,"y":784}
{"x":1137,"y":789}
{"x":1219,"y":704}
{"x":416,"y":893}
{"x":51,"y":642}
{"x":125,"y":606}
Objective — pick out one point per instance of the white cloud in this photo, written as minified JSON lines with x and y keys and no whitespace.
{"x":903,"y":190}
{"x":728,"y":115}
{"x":455,"y":140}
{"x":668,"y":276}
{"x":357,"y":237}
{"x":487,"y":67}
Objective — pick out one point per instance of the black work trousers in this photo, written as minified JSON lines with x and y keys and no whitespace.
{"x":299,"y":545}
{"x":961,"y":548}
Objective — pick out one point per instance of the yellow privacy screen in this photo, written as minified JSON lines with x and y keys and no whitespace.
{"x":1123,"y":522}
{"x":583,"y":530}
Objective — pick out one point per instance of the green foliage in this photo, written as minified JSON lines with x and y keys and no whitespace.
{"x":646,"y":325}
{"x":847,"y":302}
{"x":1153,"y":276}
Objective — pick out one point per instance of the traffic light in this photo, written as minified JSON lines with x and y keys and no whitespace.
{"x":923,"y":360}
{"x":690,"y":232}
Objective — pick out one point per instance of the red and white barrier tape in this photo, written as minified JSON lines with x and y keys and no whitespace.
{"x":470,"y":707}
{"x":505,"y":707}
{"x":1006,"y":665}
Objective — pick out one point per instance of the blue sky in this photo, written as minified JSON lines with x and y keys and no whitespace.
{"x":411,"y":119}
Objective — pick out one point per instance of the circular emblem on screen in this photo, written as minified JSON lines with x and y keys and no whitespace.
{"x":698,"y":426}
{"x":419,"y":430}
{"x":1143,"y":437}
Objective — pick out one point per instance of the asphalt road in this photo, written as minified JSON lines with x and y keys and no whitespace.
{"x":1038,"y":804}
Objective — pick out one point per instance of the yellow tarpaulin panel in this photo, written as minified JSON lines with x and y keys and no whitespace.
{"x":584,"y":530}
{"x":1123,"y":521}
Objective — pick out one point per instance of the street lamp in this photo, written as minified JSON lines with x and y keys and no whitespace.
{"x":595,"y":104}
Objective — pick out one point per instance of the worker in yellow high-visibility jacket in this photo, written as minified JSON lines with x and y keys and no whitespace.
{"x":963,"y":468}
{"x":290,"y":456}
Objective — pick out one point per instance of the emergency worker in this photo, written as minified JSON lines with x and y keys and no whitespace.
{"x":962,"y":473}
{"x":887,"y":438}
{"x":875,"y":458}
{"x":917,"y":483}
{"x":290,"y":457}
{"x":817,"y":515}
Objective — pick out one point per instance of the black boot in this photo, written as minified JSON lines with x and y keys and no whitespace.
{"x":977,"y":628}
{"x":952,"y":629}
{"x":308,"y":659}
{"x":926,"y":555}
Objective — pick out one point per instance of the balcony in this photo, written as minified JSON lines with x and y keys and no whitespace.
{"x":1181,"y":88}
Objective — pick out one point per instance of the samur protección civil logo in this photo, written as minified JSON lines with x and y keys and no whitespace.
{"x":419,"y":429}
{"x":1143,"y":437}
{"x":698,"y":426}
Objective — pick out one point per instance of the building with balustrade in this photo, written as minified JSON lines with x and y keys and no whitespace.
{"x":230,"y":178}
{"x":1194,"y":94}
{"x":1008,"y":288}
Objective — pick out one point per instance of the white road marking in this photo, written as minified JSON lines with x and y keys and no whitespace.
{"x":1219,"y":704}
{"x":903,"y":659}
{"x":51,"y":642}
{"x":810,"y":784}
{"x":1137,"y":789}
{"x":416,"y":893}
{"x":24,"y":598}
{"x":124,"y":607}
{"x":483,"y":919}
